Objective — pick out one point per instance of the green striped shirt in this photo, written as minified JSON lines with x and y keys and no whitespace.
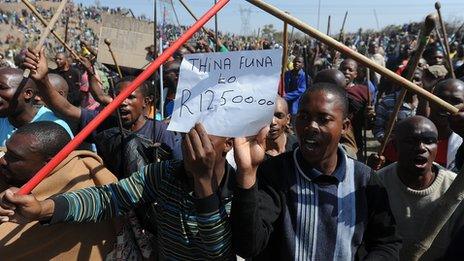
{"x":188,"y":228}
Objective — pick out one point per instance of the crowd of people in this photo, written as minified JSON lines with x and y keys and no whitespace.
{"x":304,"y":188}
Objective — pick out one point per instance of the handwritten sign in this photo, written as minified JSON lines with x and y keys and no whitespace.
{"x":232,"y":94}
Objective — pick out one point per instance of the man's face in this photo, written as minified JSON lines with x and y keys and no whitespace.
{"x":297,"y":64}
{"x":21,"y":161}
{"x":350,"y":69}
{"x":373,"y":49}
{"x":319,"y":125}
{"x":60,"y":60}
{"x":280,"y":120}
{"x":454,"y":95}
{"x":436,"y":58}
{"x":422,"y":64}
{"x":417,"y":78}
{"x":170,"y":78}
{"x":132,"y":107}
{"x":417,"y":148}
{"x":7,"y":94}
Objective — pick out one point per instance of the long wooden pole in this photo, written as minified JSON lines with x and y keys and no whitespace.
{"x":118,"y":112}
{"x":306,"y":64}
{"x":429,"y":25}
{"x":341,"y":38}
{"x":47,"y":31}
{"x":184,"y":4}
{"x":453,"y":39}
{"x":284,"y":59}
{"x":353,"y":54}
{"x":66,"y":30}
{"x":155,"y":28}
{"x":445,"y":40}
{"x":45,"y":23}
{"x":291,"y":35}
{"x":342,"y":30}
{"x":369,"y":103}
{"x":216,"y":37}
{"x":108,"y":43}
{"x":328,"y":26}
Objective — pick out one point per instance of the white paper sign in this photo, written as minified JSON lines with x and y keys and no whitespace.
{"x":232,"y":94}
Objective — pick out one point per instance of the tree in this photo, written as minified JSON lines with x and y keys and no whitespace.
{"x":268,"y":31}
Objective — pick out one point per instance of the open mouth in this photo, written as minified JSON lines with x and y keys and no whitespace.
{"x":311,"y":144}
{"x":124,"y":113}
{"x":444,"y":114}
{"x":420,"y":161}
{"x":273,"y":131}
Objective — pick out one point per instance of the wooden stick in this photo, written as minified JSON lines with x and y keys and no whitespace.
{"x":455,"y":32}
{"x":291,"y":35}
{"x":193,"y":15}
{"x":353,"y":54}
{"x":342,"y":33}
{"x":47,"y":32}
{"x":155,"y":36}
{"x":66,"y":30}
{"x":328,"y":26}
{"x":313,"y":60}
{"x":445,"y":39}
{"x":306,"y":64}
{"x":429,"y":25}
{"x":284,"y":59}
{"x":118,"y":113}
{"x":368,"y":79}
{"x":108,"y":43}
{"x":45,"y":23}
{"x":90,"y":48}
{"x":440,"y":40}
{"x":216,"y":38}
{"x":340,"y":39}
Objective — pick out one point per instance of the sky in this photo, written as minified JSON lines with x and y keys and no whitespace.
{"x":361,"y":13}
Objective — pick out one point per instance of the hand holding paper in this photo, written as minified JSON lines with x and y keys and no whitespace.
{"x":232,"y":94}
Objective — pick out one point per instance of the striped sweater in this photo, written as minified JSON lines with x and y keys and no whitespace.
{"x":295,"y":212}
{"x":188,"y":228}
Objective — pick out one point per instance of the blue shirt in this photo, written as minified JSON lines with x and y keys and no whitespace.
{"x":295,"y":86}
{"x":44,"y":114}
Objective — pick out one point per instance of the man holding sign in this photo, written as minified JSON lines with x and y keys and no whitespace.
{"x":197,"y":191}
{"x":313,"y":203}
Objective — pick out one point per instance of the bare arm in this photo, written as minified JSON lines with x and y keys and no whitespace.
{"x":94,"y":83}
{"x":37,"y":63}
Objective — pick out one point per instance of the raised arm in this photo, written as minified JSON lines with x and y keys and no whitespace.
{"x":94,"y":82}
{"x":254,"y":208}
{"x":37,"y":63}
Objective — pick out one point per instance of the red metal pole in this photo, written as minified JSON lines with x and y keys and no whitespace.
{"x":71,"y":146}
